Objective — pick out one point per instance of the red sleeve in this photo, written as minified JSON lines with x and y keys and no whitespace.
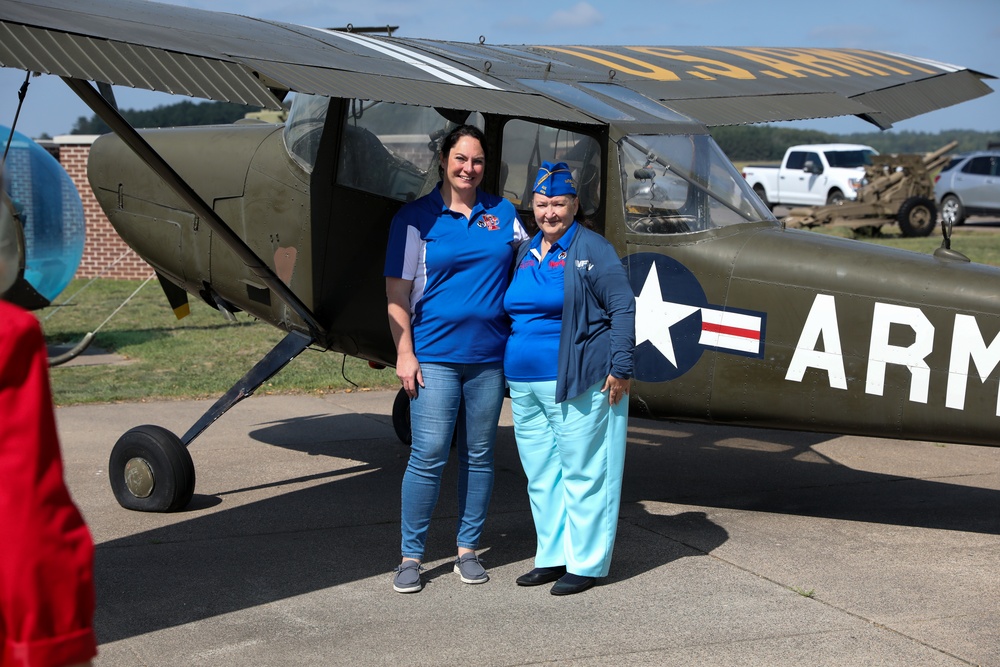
{"x":46,"y":552}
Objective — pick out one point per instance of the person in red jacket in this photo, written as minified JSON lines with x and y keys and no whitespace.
{"x":47,"y":555}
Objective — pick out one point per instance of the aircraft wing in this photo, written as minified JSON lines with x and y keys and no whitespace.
{"x":240,"y":59}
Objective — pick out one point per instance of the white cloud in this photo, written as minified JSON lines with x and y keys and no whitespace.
{"x":583,"y":15}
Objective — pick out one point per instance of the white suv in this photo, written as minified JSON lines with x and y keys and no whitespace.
{"x":969,"y":185}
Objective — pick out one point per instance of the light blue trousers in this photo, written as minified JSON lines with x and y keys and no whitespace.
{"x":573,"y":454}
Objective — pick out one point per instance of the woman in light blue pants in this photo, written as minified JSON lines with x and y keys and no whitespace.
{"x":568,"y":363}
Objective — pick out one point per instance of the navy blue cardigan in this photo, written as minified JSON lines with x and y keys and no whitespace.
{"x":598,"y":318}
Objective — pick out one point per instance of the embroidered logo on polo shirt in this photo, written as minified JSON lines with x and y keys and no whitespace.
{"x":490,"y":222}
{"x":526,"y":263}
{"x":558,"y":261}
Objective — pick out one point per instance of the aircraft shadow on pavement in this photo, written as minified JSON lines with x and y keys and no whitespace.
{"x":341,"y":525}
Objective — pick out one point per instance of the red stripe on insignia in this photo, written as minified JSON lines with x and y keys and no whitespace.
{"x":730,"y":331}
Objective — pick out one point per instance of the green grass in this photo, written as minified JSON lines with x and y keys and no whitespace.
{"x":979,"y":246}
{"x":200,"y":356}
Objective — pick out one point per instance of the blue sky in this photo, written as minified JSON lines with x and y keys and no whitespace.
{"x":960,"y":32}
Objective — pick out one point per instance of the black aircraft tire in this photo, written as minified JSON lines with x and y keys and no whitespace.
{"x":917,"y":216}
{"x":401,"y":417}
{"x":151,"y":470}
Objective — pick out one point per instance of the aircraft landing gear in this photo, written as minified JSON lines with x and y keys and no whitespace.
{"x":151,"y":468}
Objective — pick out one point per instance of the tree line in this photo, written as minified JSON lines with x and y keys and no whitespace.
{"x":768,"y":143}
{"x":742,"y":143}
{"x":172,"y":115}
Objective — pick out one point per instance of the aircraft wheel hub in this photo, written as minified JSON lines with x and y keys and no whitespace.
{"x":139,"y":477}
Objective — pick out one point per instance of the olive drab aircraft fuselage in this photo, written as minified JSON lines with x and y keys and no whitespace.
{"x":739,"y":320}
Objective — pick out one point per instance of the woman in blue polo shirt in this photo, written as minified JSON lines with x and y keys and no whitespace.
{"x":447,"y":267}
{"x":568,"y":363}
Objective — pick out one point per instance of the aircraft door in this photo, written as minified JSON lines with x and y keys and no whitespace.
{"x":378,"y":157}
{"x":683,"y":204}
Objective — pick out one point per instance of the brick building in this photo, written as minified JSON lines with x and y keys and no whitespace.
{"x":104,"y":253}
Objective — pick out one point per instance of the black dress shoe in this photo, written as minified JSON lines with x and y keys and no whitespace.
{"x":541,"y":575}
{"x":569,"y":584}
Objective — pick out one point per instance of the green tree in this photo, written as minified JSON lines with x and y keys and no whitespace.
{"x":173,"y":115}
{"x":766,"y":143}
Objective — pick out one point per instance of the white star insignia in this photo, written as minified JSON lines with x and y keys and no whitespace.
{"x":654,"y":316}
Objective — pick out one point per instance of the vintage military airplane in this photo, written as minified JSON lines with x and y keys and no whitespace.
{"x":739,"y":320}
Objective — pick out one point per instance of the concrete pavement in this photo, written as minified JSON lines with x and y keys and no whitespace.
{"x":735,"y":547}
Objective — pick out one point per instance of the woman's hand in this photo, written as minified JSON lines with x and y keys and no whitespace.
{"x":616,"y":388}
{"x":408,"y":372}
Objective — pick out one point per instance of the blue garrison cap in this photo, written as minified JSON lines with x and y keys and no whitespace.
{"x":554,"y":179}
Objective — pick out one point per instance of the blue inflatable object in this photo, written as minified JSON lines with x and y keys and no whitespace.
{"x":51,"y":213}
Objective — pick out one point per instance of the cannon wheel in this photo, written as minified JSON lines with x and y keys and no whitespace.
{"x":917,"y":216}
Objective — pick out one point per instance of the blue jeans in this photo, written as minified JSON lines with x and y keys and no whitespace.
{"x":468,"y":396}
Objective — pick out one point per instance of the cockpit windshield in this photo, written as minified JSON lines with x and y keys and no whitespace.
{"x":677,"y":184}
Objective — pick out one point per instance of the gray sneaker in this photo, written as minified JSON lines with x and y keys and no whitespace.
{"x":407,"y":578}
{"x":469,"y":569}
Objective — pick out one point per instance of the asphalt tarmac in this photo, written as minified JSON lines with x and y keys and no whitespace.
{"x":735,"y":547}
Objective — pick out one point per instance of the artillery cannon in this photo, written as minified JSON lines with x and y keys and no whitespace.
{"x":896,"y":189}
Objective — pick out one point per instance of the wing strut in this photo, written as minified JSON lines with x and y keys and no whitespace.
{"x":147,"y":154}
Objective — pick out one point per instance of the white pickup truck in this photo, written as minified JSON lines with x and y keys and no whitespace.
{"x":812,"y":175}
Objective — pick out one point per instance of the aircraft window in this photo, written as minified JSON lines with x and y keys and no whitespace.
{"x":526,"y":145}
{"x":637,"y":100}
{"x":392,"y":149}
{"x":304,"y":128}
{"x":677,"y":184}
{"x":577,"y":98}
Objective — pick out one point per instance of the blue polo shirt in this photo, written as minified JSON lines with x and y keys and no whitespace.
{"x":460,"y":268}
{"x":534,"y":302}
